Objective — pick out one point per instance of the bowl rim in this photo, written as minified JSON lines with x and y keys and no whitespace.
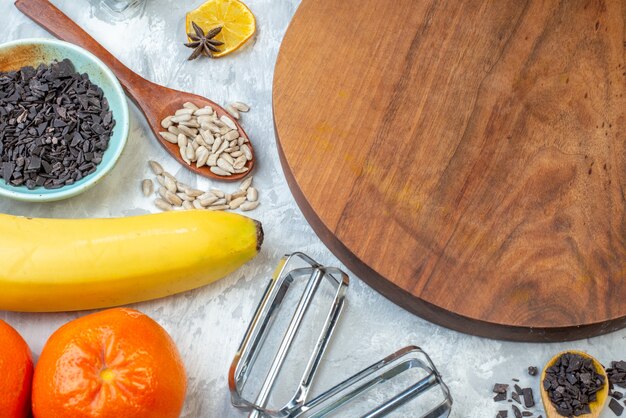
{"x":124,"y":125}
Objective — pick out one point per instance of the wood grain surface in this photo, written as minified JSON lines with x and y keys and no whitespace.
{"x":466,"y":158}
{"x":156,"y":102}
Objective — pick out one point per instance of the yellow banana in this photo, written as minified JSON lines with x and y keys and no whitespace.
{"x":71,"y":264}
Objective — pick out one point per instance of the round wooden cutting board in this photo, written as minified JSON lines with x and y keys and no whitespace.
{"x":467,"y":159}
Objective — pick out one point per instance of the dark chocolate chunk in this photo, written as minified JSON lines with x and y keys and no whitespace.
{"x":516,"y":412}
{"x":515,"y":397}
{"x":527,"y":414}
{"x":529,"y":400}
{"x":499,"y":397}
{"x":500,"y":388}
{"x":518,"y":389}
{"x":502,"y":414}
{"x":616,"y":407}
{"x":532,"y":370}
{"x":617,"y":395}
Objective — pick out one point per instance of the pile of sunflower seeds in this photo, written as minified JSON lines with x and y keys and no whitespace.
{"x":173,"y":194}
{"x":206,"y":139}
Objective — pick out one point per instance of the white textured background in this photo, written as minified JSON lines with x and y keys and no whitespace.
{"x":208,"y":323}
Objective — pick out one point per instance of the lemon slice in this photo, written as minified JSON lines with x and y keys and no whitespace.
{"x":237,"y":22}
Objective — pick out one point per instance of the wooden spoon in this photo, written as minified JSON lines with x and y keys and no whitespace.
{"x":602,"y":396}
{"x":155,"y":101}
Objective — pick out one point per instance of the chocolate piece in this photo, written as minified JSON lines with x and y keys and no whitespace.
{"x":499,"y":397}
{"x":516,"y":412}
{"x":616,"y":407}
{"x":500,"y":388}
{"x":532,"y":370}
{"x":515,"y":397}
{"x":529,"y":400}
{"x":502,"y":414}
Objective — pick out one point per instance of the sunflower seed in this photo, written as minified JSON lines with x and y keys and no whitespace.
{"x":190,"y":152}
{"x":246,"y":151}
{"x":241,"y":171}
{"x":208,"y":201}
{"x":204,"y":119}
{"x":169,"y":137}
{"x":216,"y":145}
{"x":184,"y":111}
{"x":217,"y":192}
{"x":168,"y":175}
{"x":213,"y":128}
{"x":170,"y":185}
{"x":231,"y":136}
{"x":147,"y":187}
{"x":236,"y":154}
{"x":162,"y":204}
{"x":219,"y":171}
{"x":185,"y":197}
{"x":206,"y":195}
{"x":198,"y":140}
{"x":183,"y":155}
{"x":189,"y":105}
{"x":221,"y":207}
{"x":212,"y":161}
{"x":230,"y":150}
{"x":252,"y":195}
{"x":190,"y":132}
{"x":228,"y":158}
{"x":182,"y":140}
{"x":239,"y":163}
{"x":155,"y":167}
{"x":219,"y":202}
{"x":190,"y":124}
{"x":207,"y":137}
{"x":221,"y":148}
{"x":240,"y":106}
{"x":203,"y":111}
{"x":235,"y":203}
{"x":161,"y":180}
{"x":228,"y":197}
{"x":181,"y":118}
{"x":246,"y":184}
{"x":227,"y":121}
{"x":173,"y":199}
{"x":238,"y":193}
{"x":162,"y":192}
{"x":233,"y":112}
{"x":195,"y":146}
{"x":187,"y":205}
{"x":173,"y":130}
{"x":249,"y":206}
{"x":167,"y":122}
{"x":196,"y":204}
{"x":225,"y":165}
{"x":193,"y":192}
{"x":202,"y":157}
{"x":181,"y":187}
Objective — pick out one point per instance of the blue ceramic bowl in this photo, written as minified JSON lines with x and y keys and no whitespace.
{"x":17,"y":54}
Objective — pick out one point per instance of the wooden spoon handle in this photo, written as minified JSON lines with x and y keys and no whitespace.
{"x":46,"y":15}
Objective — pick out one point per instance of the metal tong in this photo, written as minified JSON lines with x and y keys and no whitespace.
{"x":399,"y":367}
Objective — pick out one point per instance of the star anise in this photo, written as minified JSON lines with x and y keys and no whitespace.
{"x":203,"y":44}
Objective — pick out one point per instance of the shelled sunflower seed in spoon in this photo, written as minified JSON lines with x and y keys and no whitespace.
{"x":173,"y":194}
{"x":204,"y":138}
